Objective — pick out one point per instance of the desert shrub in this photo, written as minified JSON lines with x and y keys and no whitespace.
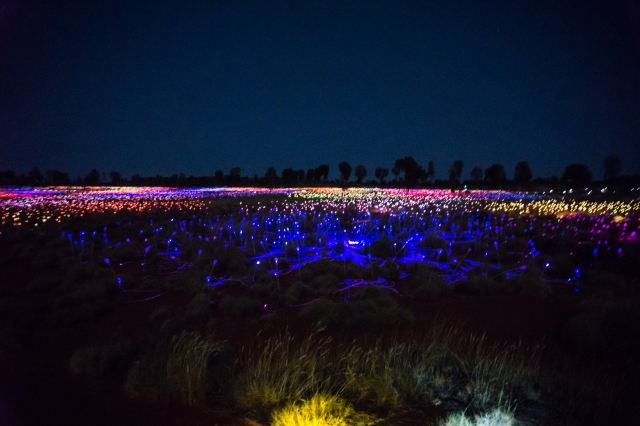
{"x":429,"y":285}
{"x":81,"y":296}
{"x":122,"y":253}
{"x":352,"y":269}
{"x":495,"y":417}
{"x":44,"y":284}
{"x":103,"y":272}
{"x":87,"y":312}
{"x":240,"y":306}
{"x":371,"y":307}
{"x":369,"y":292}
{"x":320,"y":267}
{"x":231,"y":260}
{"x":529,"y":286}
{"x":283,"y":264}
{"x":75,"y":272}
{"x":444,"y":365}
{"x":478,"y":285}
{"x":390,"y":270}
{"x":265,"y":287}
{"x":433,"y":241}
{"x":204,"y":261}
{"x":322,"y":312}
{"x":189,"y":368}
{"x":160,"y":313}
{"x":282,"y":371}
{"x":382,"y":247}
{"x":324,"y":284}
{"x":615,"y":284}
{"x":296,"y":293}
{"x":498,"y":374}
{"x":199,"y":309}
{"x":320,"y":410}
{"x":57,"y":242}
{"x":47,"y":259}
{"x":108,"y":284}
{"x":108,"y":363}
{"x":180,"y":282}
{"x":408,"y":372}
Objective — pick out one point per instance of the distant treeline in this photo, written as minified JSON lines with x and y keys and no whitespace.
{"x":406,"y":172}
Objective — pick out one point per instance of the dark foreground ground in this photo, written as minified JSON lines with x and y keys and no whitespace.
{"x":37,"y":387}
{"x":588,"y":339}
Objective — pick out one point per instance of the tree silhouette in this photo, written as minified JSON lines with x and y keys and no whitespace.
{"x":310,"y":175}
{"x":476,"y":174}
{"x":115,"y":177}
{"x":300,"y":176}
{"x":412,"y":170}
{"x":453,"y":177}
{"x":431,"y":172}
{"x":271,"y":177}
{"x":137,"y":179}
{"x":361,"y":172}
{"x":289,"y":176}
{"x":577,"y":174}
{"x":381,"y":173}
{"x":234,"y":176}
{"x":455,"y":172}
{"x":345,"y":170}
{"x":92,"y":178}
{"x":523,"y":174}
{"x":495,"y":175}
{"x":612,"y":167}
{"x":322,"y":172}
{"x":56,"y":177}
{"x":7,"y":177}
{"x":457,"y":167}
{"x":35,"y":176}
{"x":219,"y":177}
{"x":396,"y":171}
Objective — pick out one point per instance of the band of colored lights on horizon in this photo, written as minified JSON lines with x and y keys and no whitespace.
{"x":304,"y":225}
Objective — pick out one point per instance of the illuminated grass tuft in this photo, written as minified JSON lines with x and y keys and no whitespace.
{"x":320,"y":410}
{"x":497,"y":417}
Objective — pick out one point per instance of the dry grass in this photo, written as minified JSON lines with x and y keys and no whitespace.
{"x":285,"y":371}
{"x":445,"y":364}
{"x":320,"y":410}
{"x":180,"y":369}
{"x":497,"y":417}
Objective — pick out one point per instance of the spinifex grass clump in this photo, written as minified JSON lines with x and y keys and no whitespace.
{"x":497,"y":417}
{"x":445,"y":365}
{"x":108,"y":363}
{"x":282,"y":370}
{"x":188,"y":368}
{"x":320,"y":410}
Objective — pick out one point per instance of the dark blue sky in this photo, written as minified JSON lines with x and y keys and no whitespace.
{"x":169,"y":87}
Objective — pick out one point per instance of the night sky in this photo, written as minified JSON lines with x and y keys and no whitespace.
{"x":163,"y":87}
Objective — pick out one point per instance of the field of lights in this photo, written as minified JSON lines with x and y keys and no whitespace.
{"x":494,"y":232}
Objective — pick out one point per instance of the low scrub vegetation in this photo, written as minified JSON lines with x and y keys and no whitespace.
{"x":443,"y":366}
{"x":320,"y":410}
{"x":189,"y":368}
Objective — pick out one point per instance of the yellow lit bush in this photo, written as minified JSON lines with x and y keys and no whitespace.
{"x":320,"y":410}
